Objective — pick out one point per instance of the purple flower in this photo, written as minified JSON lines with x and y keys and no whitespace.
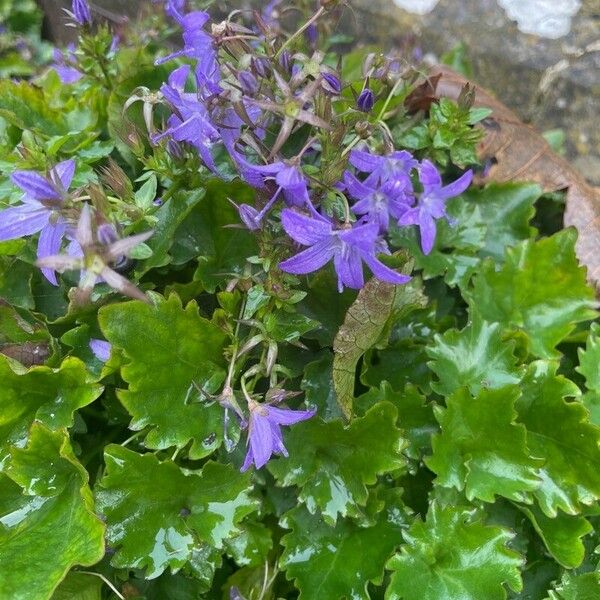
{"x":41,"y":210}
{"x":432,"y":202}
{"x":248,"y":83}
{"x":365,"y":100}
{"x":389,"y":168}
{"x":81,"y":12}
{"x":87,"y":254}
{"x":332,"y":84}
{"x":264,"y":432}
{"x":198,"y":45}
{"x":63,"y":65}
{"x":191,"y":122}
{"x":101,"y":349}
{"x":173,"y":8}
{"x":378,"y":202}
{"x":348,"y":247}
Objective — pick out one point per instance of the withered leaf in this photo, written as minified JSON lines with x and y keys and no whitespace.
{"x":364,"y":326}
{"x":520,"y":153}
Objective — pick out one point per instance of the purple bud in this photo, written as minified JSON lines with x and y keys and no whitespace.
{"x":365,"y":100}
{"x":285,"y":60}
{"x":261,"y":66}
{"x":250,"y":216}
{"x":81,"y":12}
{"x":174,"y":149}
{"x":101,"y":349}
{"x":312,"y":34}
{"x":248,"y":83}
{"x":158,"y":201}
{"x":107,"y":234}
{"x":332,"y":83}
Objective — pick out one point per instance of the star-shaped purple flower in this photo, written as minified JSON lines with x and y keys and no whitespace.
{"x":382,"y":169}
{"x":432,"y":202}
{"x":41,"y":210}
{"x":348,"y":247}
{"x":264,"y":432}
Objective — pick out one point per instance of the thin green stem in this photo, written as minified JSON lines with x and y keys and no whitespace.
{"x":300,"y":31}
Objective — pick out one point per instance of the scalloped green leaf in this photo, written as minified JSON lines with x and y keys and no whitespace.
{"x":475,"y":357}
{"x":48,"y":526}
{"x":561,"y":535}
{"x":585,"y":586}
{"x":560,"y":433}
{"x":50,"y":396}
{"x":540,"y":289}
{"x":589,"y":359}
{"x":339,"y":562}
{"x":481,"y":449}
{"x":333,"y":465}
{"x":158,"y":516}
{"x":453,"y":555}
{"x":171,"y":350}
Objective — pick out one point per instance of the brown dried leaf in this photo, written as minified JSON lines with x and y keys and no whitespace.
{"x":520,"y":153}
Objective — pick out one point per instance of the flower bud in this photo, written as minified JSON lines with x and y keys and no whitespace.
{"x":363,"y":130}
{"x":285,"y":60}
{"x":260,"y":66}
{"x":248,"y":83}
{"x":332,"y":84}
{"x":81,"y":12}
{"x":365,"y":100}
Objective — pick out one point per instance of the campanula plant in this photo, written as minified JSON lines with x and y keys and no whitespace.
{"x":258,"y":343}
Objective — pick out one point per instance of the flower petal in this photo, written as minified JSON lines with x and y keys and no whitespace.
{"x":348,"y":267}
{"x":365,"y":161}
{"x":260,"y":439}
{"x":101,"y":349}
{"x":457,"y":187}
{"x":19,"y":221}
{"x":303,"y":229}
{"x":384,"y":273}
{"x":248,"y":460}
{"x":35,"y":186}
{"x":428,"y":231}
{"x":429,"y":176}
{"x":119,"y":283}
{"x":309,"y":260}
{"x":64,"y":171}
{"x":285,"y":416}
{"x":49,"y":244}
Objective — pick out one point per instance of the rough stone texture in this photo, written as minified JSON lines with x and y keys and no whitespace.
{"x":508,"y":62}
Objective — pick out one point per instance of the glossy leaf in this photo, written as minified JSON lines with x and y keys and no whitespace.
{"x":333,"y":465}
{"x":453,"y":555}
{"x":589,"y":359}
{"x":339,"y":562}
{"x":481,"y":449}
{"x":172,"y":353}
{"x":540,"y":290}
{"x":49,"y":396}
{"x":475,"y":357}
{"x":79,"y":586}
{"x":158,"y":515}
{"x":559,"y":432}
{"x":561,"y":535}
{"x":50,"y":526}
{"x":585,"y":586}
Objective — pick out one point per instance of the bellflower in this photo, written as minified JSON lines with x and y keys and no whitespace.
{"x":432,"y":202}
{"x":365,"y":100}
{"x":348,"y":247}
{"x":191,"y":122}
{"x":41,"y":210}
{"x":388,"y":168}
{"x":101,"y":349}
{"x":81,"y":12}
{"x":379,"y":202}
{"x":63,"y":67}
{"x":264,"y":432}
{"x":91,"y":257}
{"x":198,"y":45}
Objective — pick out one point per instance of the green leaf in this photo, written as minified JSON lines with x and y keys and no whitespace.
{"x":157,"y":514}
{"x":540,"y":289}
{"x":283,"y":326}
{"x":15,"y":282}
{"x":506,"y":209}
{"x":363,"y":327}
{"x":561,"y":535}
{"x":51,"y":525}
{"x":171,"y":350}
{"x":560,"y":433}
{"x":251,"y":546}
{"x":589,"y":359}
{"x":475,"y":357}
{"x":317,"y":385}
{"x":47,"y":395}
{"x":453,"y":555}
{"x":339,"y":562}
{"x":333,"y":465}
{"x":147,"y":193}
{"x":481,"y":449}
{"x":577,"y":587}
{"x":170,"y":216}
{"x":221,"y":250}
{"x":79,"y":586}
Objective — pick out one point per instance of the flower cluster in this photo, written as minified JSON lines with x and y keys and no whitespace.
{"x":251,"y":98}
